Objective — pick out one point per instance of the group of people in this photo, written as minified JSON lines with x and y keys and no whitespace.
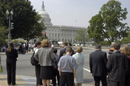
{"x":116,"y":66}
{"x":68,"y":65}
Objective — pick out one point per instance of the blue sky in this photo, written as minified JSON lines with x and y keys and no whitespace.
{"x":75,"y":12}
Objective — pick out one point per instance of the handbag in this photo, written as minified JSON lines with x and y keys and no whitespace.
{"x":1,"y":69}
{"x":54,"y":63}
{"x":34,"y":62}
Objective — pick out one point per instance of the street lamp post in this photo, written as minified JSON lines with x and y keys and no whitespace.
{"x":9,"y":17}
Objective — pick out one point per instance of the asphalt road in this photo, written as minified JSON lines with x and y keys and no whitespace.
{"x":25,"y":68}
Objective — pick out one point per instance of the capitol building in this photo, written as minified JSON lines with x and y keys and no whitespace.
{"x":58,"y":33}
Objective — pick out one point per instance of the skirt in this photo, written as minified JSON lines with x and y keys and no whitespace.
{"x":46,"y":72}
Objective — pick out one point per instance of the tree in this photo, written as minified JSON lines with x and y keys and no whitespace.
{"x":82,"y":36}
{"x":96,"y":27}
{"x":25,"y":19}
{"x":126,"y":40}
{"x":3,"y":35}
{"x":112,"y":27}
{"x":113,"y":15}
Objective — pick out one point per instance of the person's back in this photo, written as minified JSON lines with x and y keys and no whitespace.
{"x":44,"y":56}
{"x":80,"y":61}
{"x":117,"y":66}
{"x":62,"y":51}
{"x":97,"y":62}
{"x":11,"y":56}
{"x":67,"y":68}
{"x":67,"y":63}
{"x":11,"y":64}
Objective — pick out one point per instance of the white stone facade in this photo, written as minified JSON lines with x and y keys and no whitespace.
{"x":58,"y":32}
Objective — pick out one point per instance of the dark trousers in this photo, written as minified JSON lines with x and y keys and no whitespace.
{"x":127,"y":80}
{"x":113,"y":83}
{"x":56,"y":74}
{"x":97,"y":80}
{"x":11,"y":72}
{"x":68,"y":78}
{"x":37,"y":72}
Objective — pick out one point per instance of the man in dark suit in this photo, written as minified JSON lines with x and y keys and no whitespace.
{"x":69,"y":44}
{"x":63,"y":51}
{"x":117,"y":64}
{"x":98,"y":62}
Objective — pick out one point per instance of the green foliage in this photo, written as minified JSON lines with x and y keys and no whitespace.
{"x":96,"y":27}
{"x":104,"y":43}
{"x":25,"y":19}
{"x":3,"y":35}
{"x":109,"y":21}
{"x":126,"y":40}
{"x":82,"y":36}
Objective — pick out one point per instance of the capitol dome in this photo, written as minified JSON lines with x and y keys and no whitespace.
{"x":45,"y":16}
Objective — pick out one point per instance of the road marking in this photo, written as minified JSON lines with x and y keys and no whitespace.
{"x":87,"y":70}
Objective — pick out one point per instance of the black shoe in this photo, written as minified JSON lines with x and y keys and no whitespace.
{"x":9,"y":84}
{"x":14,"y":84}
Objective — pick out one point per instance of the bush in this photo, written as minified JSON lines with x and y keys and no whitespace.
{"x":104,"y":43}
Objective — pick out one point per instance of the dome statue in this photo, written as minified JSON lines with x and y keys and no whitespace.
{"x":45,"y":15}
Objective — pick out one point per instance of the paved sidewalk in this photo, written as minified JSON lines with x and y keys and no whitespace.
{"x":26,"y":81}
{"x":19,"y":81}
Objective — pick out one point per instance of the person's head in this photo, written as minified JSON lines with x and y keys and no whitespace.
{"x":79,"y":49}
{"x":45,"y":43}
{"x":64,"y":44}
{"x":69,"y":44}
{"x":126,"y":49}
{"x":55,"y":50}
{"x":10,"y":47}
{"x":38,"y":44}
{"x":69,"y":50}
{"x":116,"y":46}
{"x":98,"y":46}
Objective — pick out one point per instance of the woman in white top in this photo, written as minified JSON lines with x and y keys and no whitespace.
{"x":80,"y":61}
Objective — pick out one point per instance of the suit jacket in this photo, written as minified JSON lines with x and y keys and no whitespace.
{"x":117,"y":64}
{"x":62,"y":51}
{"x":98,"y":62}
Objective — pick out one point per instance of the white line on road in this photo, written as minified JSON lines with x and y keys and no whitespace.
{"x":87,"y":70}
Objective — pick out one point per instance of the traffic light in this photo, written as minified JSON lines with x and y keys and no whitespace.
{"x":12,"y":25}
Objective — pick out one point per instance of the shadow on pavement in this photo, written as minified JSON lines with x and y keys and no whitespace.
{"x":88,"y":81}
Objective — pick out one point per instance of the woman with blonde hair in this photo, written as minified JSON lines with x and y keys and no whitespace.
{"x":45,"y":56}
{"x":11,"y":59}
{"x":126,"y":50}
{"x":80,"y":61}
